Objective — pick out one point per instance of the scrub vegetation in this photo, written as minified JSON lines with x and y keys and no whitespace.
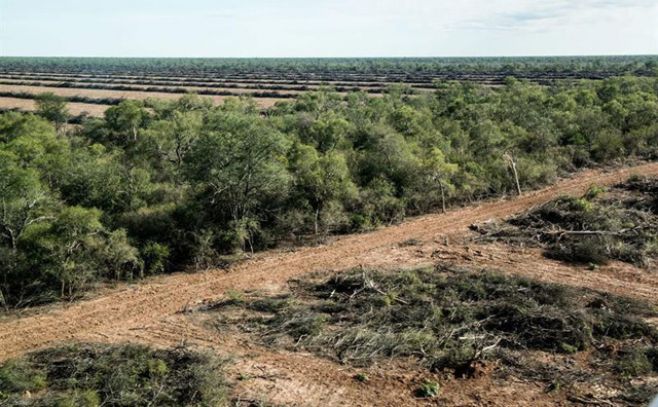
{"x":166,"y":185}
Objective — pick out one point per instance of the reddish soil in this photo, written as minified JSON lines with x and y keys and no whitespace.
{"x":150,"y":312}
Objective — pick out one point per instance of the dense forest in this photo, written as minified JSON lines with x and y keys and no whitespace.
{"x":158,"y":186}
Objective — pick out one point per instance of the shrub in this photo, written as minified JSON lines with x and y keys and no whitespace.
{"x":129,"y":375}
{"x":582,"y":250}
{"x":428,"y":390}
{"x":155,"y":257}
{"x":634,"y":362}
{"x":361,"y":377}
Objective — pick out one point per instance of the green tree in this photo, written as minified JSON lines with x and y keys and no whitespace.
{"x":75,"y":249}
{"x":21,"y":199}
{"x":52,"y":108}
{"x":171,"y":139}
{"x":439,"y":172}
{"x":236,"y":166}
{"x":321,"y":179}
{"x":126,"y":118}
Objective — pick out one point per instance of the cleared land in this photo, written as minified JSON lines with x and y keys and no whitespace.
{"x":272,"y":80}
{"x":249,"y":86}
{"x":76,"y":109}
{"x":155,"y":312}
{"x":116,"y":94}
{"x":120,"y":86}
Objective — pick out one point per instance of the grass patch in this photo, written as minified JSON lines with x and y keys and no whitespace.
{"x":100,"y":375}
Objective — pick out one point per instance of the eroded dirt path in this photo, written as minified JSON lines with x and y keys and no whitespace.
{"x":129,"y":311}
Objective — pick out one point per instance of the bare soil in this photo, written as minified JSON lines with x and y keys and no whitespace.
{"x":75,"y":109}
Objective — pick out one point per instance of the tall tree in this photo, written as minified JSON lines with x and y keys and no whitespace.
{"x":321,"y":178}
{"x":52,"y":108}
{"x":126,"y":117}
{"x":439,"y":171}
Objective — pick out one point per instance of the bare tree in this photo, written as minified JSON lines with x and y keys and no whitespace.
{"x":511,"y":161}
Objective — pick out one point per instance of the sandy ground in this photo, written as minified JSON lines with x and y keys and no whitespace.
{"x":155,"y":312}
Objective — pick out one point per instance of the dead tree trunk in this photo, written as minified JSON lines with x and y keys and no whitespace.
{"x":512,"y":163}
{"x":443,"y":196}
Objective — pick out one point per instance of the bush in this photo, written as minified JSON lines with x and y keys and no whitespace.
{"x":155,"y":257}
{"x":634,"y":362}
{"x":583,"y":250}
{"x":129,"y":375}
{"x":428,"y":390}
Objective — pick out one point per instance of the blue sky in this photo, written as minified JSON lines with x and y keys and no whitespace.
{"x":327,"y":28}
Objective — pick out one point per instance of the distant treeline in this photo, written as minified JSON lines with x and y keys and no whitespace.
{"x":404,"y":69}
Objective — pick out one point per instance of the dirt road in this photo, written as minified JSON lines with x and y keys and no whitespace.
{"x":117,"y":314}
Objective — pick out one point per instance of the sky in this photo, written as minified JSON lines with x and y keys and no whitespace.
{"x":327,"y":28}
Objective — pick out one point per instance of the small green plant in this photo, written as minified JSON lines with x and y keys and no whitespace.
{"x":234,"y":297}
{"x":361,"y":377}
{"x":593,"y":192}
{"x":243,"y":377}
{"x":428,"y":389}
{"x":635,"y":178}
{"x":567,"y":348}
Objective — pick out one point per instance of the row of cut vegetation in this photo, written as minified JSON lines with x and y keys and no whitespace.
{"x":616,"y":224}
{"x":454,"y":321}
